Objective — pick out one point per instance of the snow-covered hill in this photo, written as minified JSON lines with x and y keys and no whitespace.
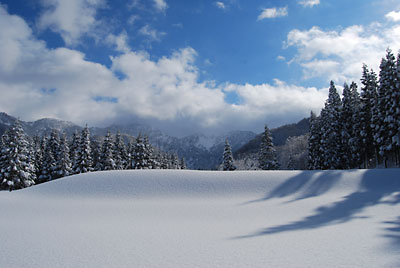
{"x":166,"y":218}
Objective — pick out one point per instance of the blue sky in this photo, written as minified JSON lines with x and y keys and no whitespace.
{"x":186,"y":66}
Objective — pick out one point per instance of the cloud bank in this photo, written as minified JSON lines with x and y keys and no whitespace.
{"x":37,"y":82}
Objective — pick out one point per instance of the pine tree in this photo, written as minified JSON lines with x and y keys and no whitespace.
{"x":149,"y":153}
{"x":141,"y":159}
{"x":395,"y":106}
{"x":83,"y":162}
{"x":267,"y":154}
{"x":96,"y":154}
{"x":346,"y":118}
{"x":49,"y":162}
{"x":120,"y":152}
{"x":369,"y":96}
{"x":355,"y":141}
{"x":73,"y":149}
{"x":331,"y":142}
{"x":227,"y":163}
{"x":63,"y":165}
{"x":38,"y":148}
{"x":182,"y":163}
{"x":16,"y":172}
{"x":389,"y":102}
{"x":314,"y":143}
{"x":107,"y":156}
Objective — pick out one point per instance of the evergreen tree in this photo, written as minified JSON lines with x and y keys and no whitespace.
{"x":368,"y":99}
{"x":120,"y":152}
{"x":150,"y":159}
{"x":331,"y":129}
{"x":84,"y":162}
{"x":314,"y":143}
{"x":141,"y":158}
{"x":16,"y":172}
{"x":63,"y":164}
{"x":49,"y":162}
{"x":182,"y":163}
{"x":96,"y":154}
{"x":107,"y":156}
{"x":38,"y":149}
{"x":73,"y":149}
{"x":346,"y":118}
{"x":227,"y":163}
{"x":355,"y":141}
{"x":388,"y":103}
{"x":267,"y":154}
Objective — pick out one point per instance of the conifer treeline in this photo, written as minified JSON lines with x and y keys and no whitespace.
{"x":25,"y":161}
{"x":360,"y":130}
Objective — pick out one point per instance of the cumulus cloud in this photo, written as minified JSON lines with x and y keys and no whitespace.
{"x":151,"y":33}
{"x":393,"y":16}
{"x":220,"y":5}
{"x":160,"y":5}
{"x":269,"y":13}
{"x":339,"y":55}
{"x":37,"y":82}
{"x":309,"y":3}
{"x":120,"y":42}
{"x":70,"y":18}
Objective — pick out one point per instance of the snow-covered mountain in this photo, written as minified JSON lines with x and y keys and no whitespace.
{"x":200,"y":151}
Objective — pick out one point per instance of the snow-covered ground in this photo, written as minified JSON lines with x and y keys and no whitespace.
{"x":205,"y":219}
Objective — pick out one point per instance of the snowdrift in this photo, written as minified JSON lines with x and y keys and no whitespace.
{"x":167,"y":218}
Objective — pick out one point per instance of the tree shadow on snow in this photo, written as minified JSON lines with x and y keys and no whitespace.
{"x":306,"y":184}
{"x":393,"y":232}
{"x":375,"y":185}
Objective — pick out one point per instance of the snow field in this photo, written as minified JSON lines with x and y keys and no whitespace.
{"x":166,"y":218}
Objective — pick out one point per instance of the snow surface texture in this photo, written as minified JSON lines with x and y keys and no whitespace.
{"x":166,"y":218}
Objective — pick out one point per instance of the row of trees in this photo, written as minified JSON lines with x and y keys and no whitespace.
{"x":25,"y":161}
{"x":267,"y":159}
{"x":359,"y":130}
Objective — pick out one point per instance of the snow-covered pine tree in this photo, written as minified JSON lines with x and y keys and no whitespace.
{"x":384,"y":120}
{"x":131,"y":153}
{"x":73,"y":149}
{"x":355,"y":141}
{"x":48,"y":163}
{"x":314,"y":143}
{"x":63,"y":165}
{"x":150,"y":159}
{"x":369,"y":96}
{"x":346,"y":118}
{"x":83,"y":162}
{"x":331,"y":128}
{"x":227,"y":163}
{"x":53,"y":147}
{"x":267,"y":155}
{"x":16,"y":172}
{"x":96,"y":154}
{"x":120,"y":152}
{"x":38,"y":149}
{"x":107,"y":155}
{"x":182,"y":163}
{"x":141,"y":159}
{"x":395,"y":106}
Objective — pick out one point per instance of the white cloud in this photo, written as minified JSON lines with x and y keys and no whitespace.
{"x":119,"y":41}
{"x":309,"y":3}
{"x":220,"y":5}
{"x":38,"y":82}
{"x":70,"y":18}
{"x":393,"y":16}
{"x":269,"y":13}
{"x":151,"y":33}
{"x":339,"y":55}
{"x":280,"y":58}
{"x":160,"y":5}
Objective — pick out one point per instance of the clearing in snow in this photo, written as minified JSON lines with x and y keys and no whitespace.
{"x":166,"y":218}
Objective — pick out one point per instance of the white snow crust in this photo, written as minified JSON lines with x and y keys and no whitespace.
{"x":167,"y":218}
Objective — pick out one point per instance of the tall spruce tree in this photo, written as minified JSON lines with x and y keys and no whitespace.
{"x":120,"y":152}
{"x":267,"y":155}
{"x":228,"y":163}
{"x":83,"y":162}
{"x":314,"y":143}
{"x":355,"y":141}
{"x":107,"y":155}
{"x":16,"y":172}
{"x":368,"y":99}
{"x":331,"y":128}
{"x":63,"y":164}
{"x":141,"y":157}
{"x":73,"y":149}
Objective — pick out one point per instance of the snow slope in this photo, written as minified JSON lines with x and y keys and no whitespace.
{"x":165,"y":218}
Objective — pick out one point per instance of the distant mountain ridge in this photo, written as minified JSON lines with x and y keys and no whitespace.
{"x":200,"y":151}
